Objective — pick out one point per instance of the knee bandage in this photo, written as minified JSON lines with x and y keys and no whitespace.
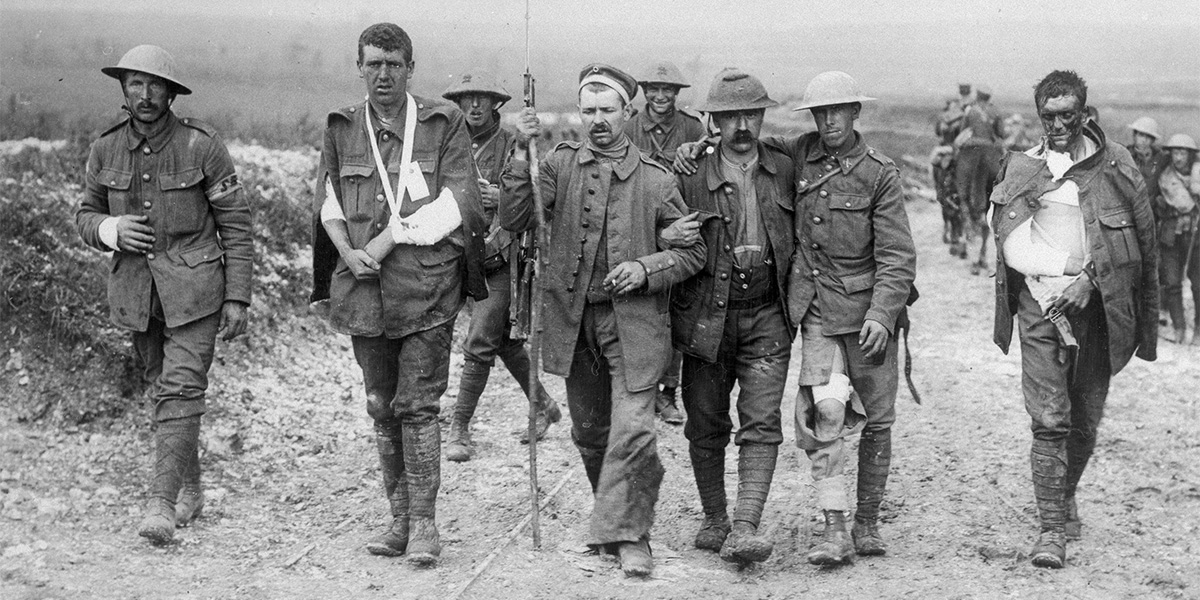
{"x":837,"y":389}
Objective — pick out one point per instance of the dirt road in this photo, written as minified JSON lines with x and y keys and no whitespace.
{"x":294,"y":489}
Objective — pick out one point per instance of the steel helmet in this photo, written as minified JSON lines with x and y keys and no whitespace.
{"x":1180,"y":140}
{"x":663,"y":72}
{"x":476,"y":82}
{"x":152,"y":60}
{"x":734,"y":89}
{"x":1147,"y":126}
{"x":831,"y":88}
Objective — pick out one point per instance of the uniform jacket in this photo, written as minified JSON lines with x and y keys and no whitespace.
{"x":634,"y":199}
{"x":854,"y":251}
{"x":698,"y":304}
{"x":424,"y":286}
{"x":661,"y":140}
{"x":1120,"y":235}
{"x":1150,"y":166}
{"x":985,"y":124}
{"x":184,"y":181}
{"x":490,"y":151}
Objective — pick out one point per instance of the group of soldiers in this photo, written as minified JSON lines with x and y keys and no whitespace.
{"x":727,"y":254}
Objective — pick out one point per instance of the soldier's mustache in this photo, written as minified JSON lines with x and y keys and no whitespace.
{"x":601,"y":128}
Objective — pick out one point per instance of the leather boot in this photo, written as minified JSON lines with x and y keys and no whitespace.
{"x":548,"y":413}
{"x":708,"y":465}
{"x":756,"y":469}
{"x":190,"y":502}
{"x":390,"y":444}
{"x":1073,"y":527}
{"x":422,"y":461}
{"x":470,"y":387}
{"x":874,"y":460}
{"x":1080,"y":447}
{"x":836,"y":547}
{"x":1048,"y":460}
{"x":174,"y":445}
{"x":664,"y":405}
{"x":635,"y":558}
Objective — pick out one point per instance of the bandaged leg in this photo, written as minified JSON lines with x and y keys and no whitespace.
{"x":830,"y":401}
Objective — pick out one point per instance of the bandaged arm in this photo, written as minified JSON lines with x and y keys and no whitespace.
{"x":430,"y":224}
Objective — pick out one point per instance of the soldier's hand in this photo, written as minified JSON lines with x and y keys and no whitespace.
{"x":528,"y":127}
{"x":873,"y":338}
{"x":134,"y":235}
{"x":233,"y":319}
{"x":686,"y":155}
{"x":683,"y":232}
{"x":627,"y":277}
{"x":362,"y":265}
{"x":490,"y":193}
{"x":1076,"y":297}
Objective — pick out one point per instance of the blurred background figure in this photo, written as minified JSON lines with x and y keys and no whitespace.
{"x":1178,"y":184}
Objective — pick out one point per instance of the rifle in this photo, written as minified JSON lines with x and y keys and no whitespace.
{"x":536,"y":288}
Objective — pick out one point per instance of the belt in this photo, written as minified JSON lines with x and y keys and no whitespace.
{"x":770,"y":296}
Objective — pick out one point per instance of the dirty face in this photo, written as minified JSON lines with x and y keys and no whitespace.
{"x":603,"y":114}
{"x":386,"y":74}
{"x":147,"y":96}
{"x":836,"y":124}
{"x":740,"y":128}
{"x":660,"y":97}
{"x":479,"y":110}
{"x":1181,"y":159}
{"x":1142,"y":141}
{"x":1062,"y":119}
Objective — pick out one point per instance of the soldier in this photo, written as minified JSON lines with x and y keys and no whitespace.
{"x":659,"y":130}
{"x":606,"y":319}
{"x":730,"y":320}
{"x":942,"y":162}
{"x":1076,"y":267}
{"x":162,"y":194}
{"x":1177,"y":187}
{"x":852,"y":276}
{"x":979,"y":152}
{"x":399,"y":248}
{"x":1145,"y":153}
{"x":480,"y":97}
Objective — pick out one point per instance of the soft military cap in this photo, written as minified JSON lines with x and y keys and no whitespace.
{"x":619,"y":80}
{"x":1182,"y":141}
{"x":151,"y":60}
{"x":476,"y":82}
{"x":1147,"y":126}
{"x":663,"y":72}
{"x":830,"y":89}
{"x":734,"y":89}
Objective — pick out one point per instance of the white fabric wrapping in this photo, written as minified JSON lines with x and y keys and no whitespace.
{"x":108,"y":232}
{"x":430,"y":224}
{"x":330,"y":209}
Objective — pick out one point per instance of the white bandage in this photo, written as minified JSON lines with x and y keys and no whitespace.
{"x":108,"y":232}
{"x":837,"y":389}
{"x":430,"y":224}
{"x":608,"y":81}
{"x":330,"y":209}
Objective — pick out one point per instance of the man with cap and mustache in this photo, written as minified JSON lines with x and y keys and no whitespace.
{"x":659,"y":130}
{"x":606,"y":313}
{"x":480,"y":97}
{"x":161,"y":193}
{"x":730,"y":319}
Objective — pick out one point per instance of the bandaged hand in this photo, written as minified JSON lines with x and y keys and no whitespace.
{"x":430,"y":224}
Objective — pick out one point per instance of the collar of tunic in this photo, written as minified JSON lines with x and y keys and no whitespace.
{"x":846,"y":161}
{"x":133,"y":139}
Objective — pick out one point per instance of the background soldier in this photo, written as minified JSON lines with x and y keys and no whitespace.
{"x":979,"y":152}
{"x":852,"y":276}
{"x":397,"y":255}
{"x":1177,"y":187}
{"x":480,"y":97}
{"x":607,"y":329}
{"x":1082,"y":310}
{"x":730,"y":320}
{"x":162,"y":194}
{"x":658,"y":131}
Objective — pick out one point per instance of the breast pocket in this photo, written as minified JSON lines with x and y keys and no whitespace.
{"x":186,"y":206}
{"x":360,"y":199}
{"x":1121,"y":238}
{"x":850,"y":225}
{"x":117,"y":183}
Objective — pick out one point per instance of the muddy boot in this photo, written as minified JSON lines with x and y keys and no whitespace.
{"x":708,"y":465}
{"x":1080,"y":446}
{"x":664,"y":405}
{"x":518,"y":365}
{"x":390,"y":444}
{"x":836,"y":547}
{"x":1048,"y":459}
{"x":874,"y":460}
{"x":1180,"y":335}
{"x":470,"y":387}
{"x":756,"y":469}
{"x":1073,"y":527}
{"x":422,"y":461}
{"x":548,"y":413}
{"x":190,"y":502}
{"x":174,"y":444}
{"x":635,"y":558}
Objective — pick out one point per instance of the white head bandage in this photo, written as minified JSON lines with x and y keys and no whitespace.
{"x":608,"y":81}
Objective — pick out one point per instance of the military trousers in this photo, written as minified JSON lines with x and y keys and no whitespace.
{"x":613,"y":429}
{"x":405,"y":377}
{"x":487,"y":335}
{"x":176,"y":362}
{"x":1172,"y":271}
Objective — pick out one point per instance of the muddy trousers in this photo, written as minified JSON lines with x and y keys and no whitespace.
{"x":754,"y":353}
{"x":1065,"y":396}
{"x":613,"y":429}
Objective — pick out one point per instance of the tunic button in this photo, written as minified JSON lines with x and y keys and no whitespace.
{"x":595,"y":176}
{"x":728,"y":247}
{"x":145,"y":177}
{"x":724,"y":276}
{"x":670,"y":262}
{"x":592,"y":192}
{"x":146,"y":204}
{"x":146,"y":150}
{"x":379,"y":226}
{"x":816,"y":272}
{"x":828,"y":167}
{"x":1112,"y":163}
{"x":720,"y":304}
{"x":150,"y":256}
{"x":379,"y":197}
{"x":113,"y":182}
{"x":1123,"y":221}
{"x":1012,"y":214}
{"x":570,"y":288}
{"x":474,"y":145}
{"x":587,"y":209}
{"x":728,"y":189}
{"x":584,"y":225}
{"x":847,"y":205}
{"x":824,"y":193}
{"x":815,"y":246}
{"x":816,"y":220}
{"x":745,"y":286}
{"x":727,"y":220}
{"x":741,"y":275}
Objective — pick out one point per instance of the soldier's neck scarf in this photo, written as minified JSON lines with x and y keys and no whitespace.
{"x":615,"y":152}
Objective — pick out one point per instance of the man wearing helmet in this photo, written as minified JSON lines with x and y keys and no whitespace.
{"x":658,"y":131}
{"x":606,"y":282}
{"x":397,"y":250}
{"x":480,"y":97}
{"x":161,"y":193}
{"x":852,"y":277}
{"x":1178,"y":191}
{"x":1076,"y":266}
{"x":730,"y":320}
